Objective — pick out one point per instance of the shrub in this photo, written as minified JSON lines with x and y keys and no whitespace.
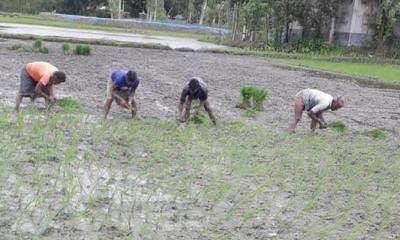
{"x":82,"y":50}
{"x":339,"y":126}
{"x":376,"y":133}
{"x":65,"y":48}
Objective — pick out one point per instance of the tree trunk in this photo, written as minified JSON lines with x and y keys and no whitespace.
{"x":287,"y":21}
{"x":287,"y":32}
{"x":203,"y":12}
{"x":332,"y":30}
{"x":190,"y":11}
{"x":235,"y":21}
{"x":380,"y":39}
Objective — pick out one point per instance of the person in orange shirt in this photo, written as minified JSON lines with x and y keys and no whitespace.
{"x":37,"y":80}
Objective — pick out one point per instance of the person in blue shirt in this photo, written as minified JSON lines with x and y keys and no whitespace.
{"x":121,"y":88}
{"x":193,"y":90}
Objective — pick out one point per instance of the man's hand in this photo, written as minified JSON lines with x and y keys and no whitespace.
{"x":179,"y":119}
{"x":52,"y":99}
{"x":323,"y":125}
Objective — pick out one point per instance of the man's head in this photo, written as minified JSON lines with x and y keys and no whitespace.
{"x":131,"y":77}
{"x":58,"y":77}
{"x":194,"y":85}
{"x":337,"y":103}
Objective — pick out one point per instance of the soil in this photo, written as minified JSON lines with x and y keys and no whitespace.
{"x":163,"y":74}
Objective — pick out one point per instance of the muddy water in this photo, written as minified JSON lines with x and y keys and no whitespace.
{"x":163,"y":73}
{"x":173,"y":42}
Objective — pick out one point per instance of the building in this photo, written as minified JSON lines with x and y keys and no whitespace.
{"x":355,"y":24}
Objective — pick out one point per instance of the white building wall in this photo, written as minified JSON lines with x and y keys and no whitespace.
{"x":354,"y":25}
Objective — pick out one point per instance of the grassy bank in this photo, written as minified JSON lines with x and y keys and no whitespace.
{"x":387,"y":72}
{"x":154,"y":178}
{"x":36,"y":20}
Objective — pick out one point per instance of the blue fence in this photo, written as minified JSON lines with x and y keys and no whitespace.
{"x":168,"y":24}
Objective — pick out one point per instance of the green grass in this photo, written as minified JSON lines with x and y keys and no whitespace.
{"x":37,"y":20}
{"x":136,"y":178}
{"x":383,"y":71}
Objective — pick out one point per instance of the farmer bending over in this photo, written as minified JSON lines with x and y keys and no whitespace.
{"x":37,"y":80}
{"x":195,"y":89}
{"x":315,"y":103}
{"x":121,"y":88}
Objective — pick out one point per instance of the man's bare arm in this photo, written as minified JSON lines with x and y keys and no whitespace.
{"x":131,"y":96}
{"x":39,"y":91}
{"x":180,"y":110}
{"x":116,"y":95}
{"x":314,"y":117}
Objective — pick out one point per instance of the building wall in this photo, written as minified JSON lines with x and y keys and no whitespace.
{"x":355,"y":21}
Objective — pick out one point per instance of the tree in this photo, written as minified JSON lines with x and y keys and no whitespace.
{"x":134,"y":7}
{"x":388,"y":12}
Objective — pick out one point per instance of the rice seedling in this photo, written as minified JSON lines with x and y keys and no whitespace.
{"x":37,"y":45}
{"x":246,"y":93}
{"x":17,"y":47}
{"x":376,"y":133}
{"x":68,"y":103}
{"x":259,"y":96}
{"x":65,"y":47}
{"x":250,"y":112}
{"x":252,"y":97}
{"x":338,"y":126}
{"x":84,"y":50}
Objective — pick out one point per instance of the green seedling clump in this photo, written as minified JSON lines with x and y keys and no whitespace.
{"x":245,"y":94}
{"x":44,"y":50}
{"x":259,"y":95}
{"x":37,"y":45}
{"x":82,"y":50}
{"x":198,"y":119}
{"x":252,"y":97}
{"x":250,"y":112}
{"x":68,"y":103}
{"x":17,"y":47}
{"x":376,"y":133}
{"x":339,"y":126}
{"x":65,"y":48}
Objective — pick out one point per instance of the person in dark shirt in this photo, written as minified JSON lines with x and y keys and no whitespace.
{"x":193,"y":90}
{"x":121,"y":88}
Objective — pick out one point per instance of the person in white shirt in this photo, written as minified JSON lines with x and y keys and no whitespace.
{"x":315,"y":102}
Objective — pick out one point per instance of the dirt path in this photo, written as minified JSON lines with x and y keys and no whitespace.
{"x":163,"y":74}
{"x":173,"y":42}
